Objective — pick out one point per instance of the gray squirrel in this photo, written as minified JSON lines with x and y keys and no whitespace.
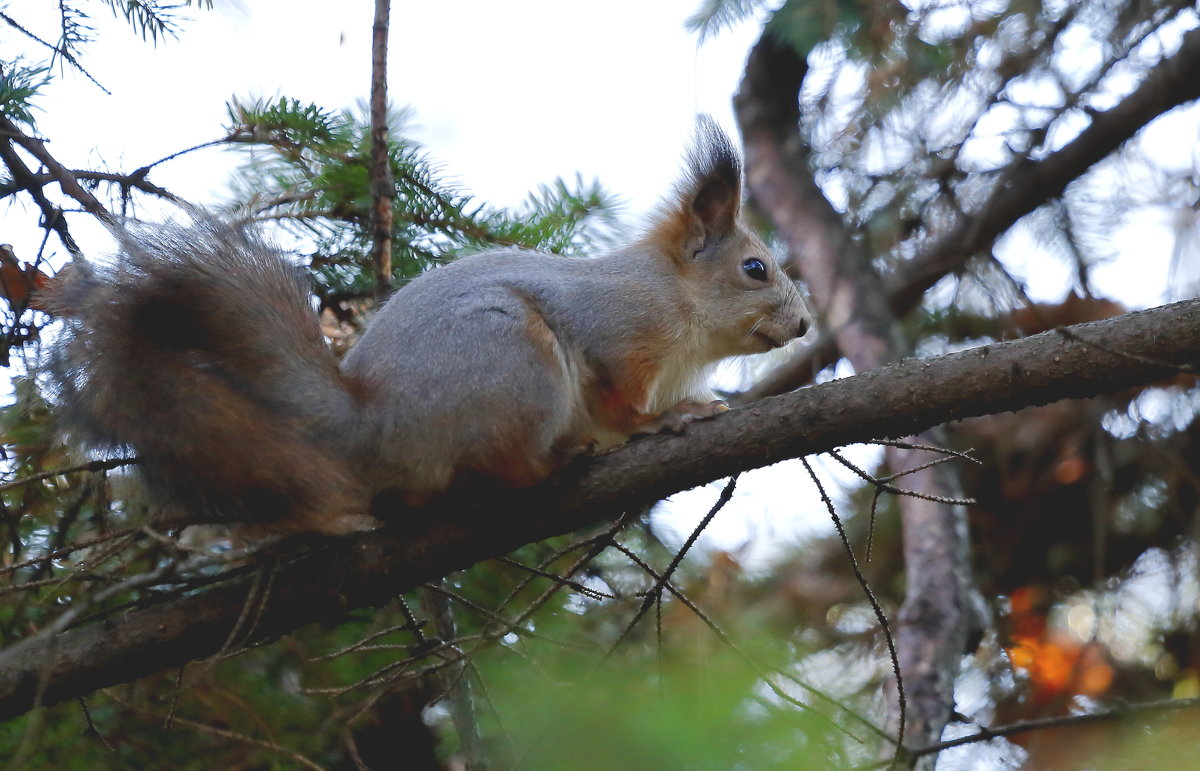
{"x":198,"y":348}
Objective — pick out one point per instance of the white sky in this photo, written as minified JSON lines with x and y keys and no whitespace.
{"x":506,"y":95}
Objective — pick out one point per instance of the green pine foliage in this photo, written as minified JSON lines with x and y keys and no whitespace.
{"x":307,"y":170}
{"x":19,"y":84}
{"x":153,"y":19}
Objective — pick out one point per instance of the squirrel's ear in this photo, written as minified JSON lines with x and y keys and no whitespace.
{"x":707,"y":199}
{"x":715,"y":176}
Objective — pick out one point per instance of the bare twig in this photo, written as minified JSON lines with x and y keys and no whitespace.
{"x":96,"y":465}
{"x":595,"y":594}
{"x":880,"y":616}
{"x":761,"y":671}
{"x":92,"y":730}
{"x":408,"y":626}
{"x":60,"y":553}
{"x":1062,"y":721}
{"x":58,"y":50}
{"x":654,"y":594}
{"x":222,"y":732}
{"x":882,"y":485}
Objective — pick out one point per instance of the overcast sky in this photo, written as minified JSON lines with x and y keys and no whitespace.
{"x":506,"y":95}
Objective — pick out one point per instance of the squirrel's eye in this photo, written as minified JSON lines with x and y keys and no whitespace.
{"x":755,"y":269}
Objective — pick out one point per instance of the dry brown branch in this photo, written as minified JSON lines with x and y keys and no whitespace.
{"x":66,"y":180}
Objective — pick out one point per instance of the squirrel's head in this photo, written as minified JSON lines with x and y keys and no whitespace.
{"x":741,"y":300}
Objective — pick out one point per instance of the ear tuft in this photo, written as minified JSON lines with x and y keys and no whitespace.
{"x":712,"y":157}
{"x":706,"y":201}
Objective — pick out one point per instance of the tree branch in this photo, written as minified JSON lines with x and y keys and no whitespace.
{"x":135,"y":179}
{"x":1024,"y":188}
{"x":26,"y":179}
{"x":66,"y":180}
{"x":383,"y":187}
{"x":339,"y":575}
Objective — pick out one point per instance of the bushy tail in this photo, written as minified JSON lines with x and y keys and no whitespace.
{"x":197,"y":348}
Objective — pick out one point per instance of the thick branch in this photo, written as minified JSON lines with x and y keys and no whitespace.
{"x":340,"y":575}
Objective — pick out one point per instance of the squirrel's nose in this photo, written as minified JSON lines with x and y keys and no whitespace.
{"x":803,"y":328}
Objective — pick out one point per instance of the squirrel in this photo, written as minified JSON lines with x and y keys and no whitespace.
{"x":198,"y":347}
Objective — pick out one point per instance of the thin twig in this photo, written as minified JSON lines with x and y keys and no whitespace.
{"x":96,"y":465}
{"x":92,"y":730}
{"x":578,"y":587}
{"x":879,"y":614}
{"x":758,"y":668}
{"x":655,"y":593}
{"x":224,"y":733}
{"x":409,"y":626}
{"x":58,"y":51}
{"x":1022,"y":726}
{"x":888,"y":488}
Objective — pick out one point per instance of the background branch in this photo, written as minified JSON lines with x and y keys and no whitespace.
{"x":848,"y":292}
{"x":1025,"y":187}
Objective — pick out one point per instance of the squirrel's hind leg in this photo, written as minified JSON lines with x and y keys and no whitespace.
{"x":531,"y":423}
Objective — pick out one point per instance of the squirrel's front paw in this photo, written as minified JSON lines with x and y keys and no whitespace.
{"x":687,"y":411}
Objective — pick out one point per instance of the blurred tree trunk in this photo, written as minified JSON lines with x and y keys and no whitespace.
{"x":851,"y":301}
{"x":858,"y":311}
